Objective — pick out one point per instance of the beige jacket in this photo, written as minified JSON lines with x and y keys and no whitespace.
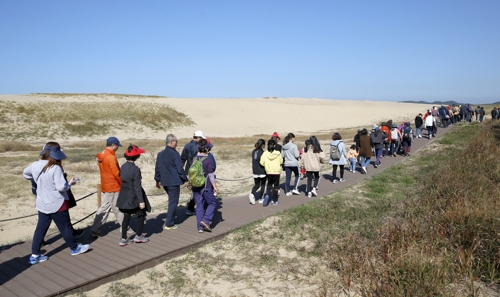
{"x":312,"y":161}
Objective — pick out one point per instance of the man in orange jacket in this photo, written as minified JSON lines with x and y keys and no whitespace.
{"x":110,"y":185}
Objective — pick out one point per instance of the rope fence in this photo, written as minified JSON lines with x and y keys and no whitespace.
{"x":90,"y":194}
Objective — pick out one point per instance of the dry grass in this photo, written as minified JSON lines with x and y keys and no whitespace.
{"x":84,"y":119}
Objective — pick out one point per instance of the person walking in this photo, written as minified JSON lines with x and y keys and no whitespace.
{"x":352,"y":156}
{"x":419,"y":122}
{"x":204,"y":196}
{"x":365,"y":150}
{"x":377,"y":138}
{"x":132,"y":199}
{"x":170,"y":175}
{"x":312,"y":158}
{"x":290,"y":153}
{"x":395,"y":139}
{"x":37,"y":167}
{"x":429,"y":122}
{"x":407,"y":139}
{"x":478,"y":113}
{"x":190,"y":151}
{"x":272,"y":160}
{"x":259,"y":173}
{"x":110,"y":185}
{"x":338,"y":145}
{"x":52,"y":203}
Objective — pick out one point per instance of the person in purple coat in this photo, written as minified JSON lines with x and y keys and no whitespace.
{"x":204,"y":196}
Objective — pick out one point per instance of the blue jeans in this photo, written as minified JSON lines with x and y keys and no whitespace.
{"x":378,"y":153}
{"x":288,"y":177}
{"x":352,"y":167}
{"x":418,"y":131}
{"x":63,"y":223}
{"x":173,"y":193}
{"x":205,"y":205}
{"x":365,"y":161}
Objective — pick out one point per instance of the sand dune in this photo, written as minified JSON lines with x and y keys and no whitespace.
{"x":250,"y":116}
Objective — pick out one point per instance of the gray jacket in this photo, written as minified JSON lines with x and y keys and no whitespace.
{"x":290,"y":154}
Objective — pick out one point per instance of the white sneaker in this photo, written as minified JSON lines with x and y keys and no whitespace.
{"x":289,"y":194}
{"x":314,"y":192}
{"x":295,"y":192}
{"x":260,"y":201}
{"x":335,"y":181}
{"x":252,"y":199}
{"x":364,"y":169}
{"x":309,"y":195}
{"x":342,"y":180}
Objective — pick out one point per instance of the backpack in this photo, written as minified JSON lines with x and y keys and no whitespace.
{"x":394,"y":134}
{"x":196,"y":173}
{"x":406,"y":132}
{"x":335,"y":152}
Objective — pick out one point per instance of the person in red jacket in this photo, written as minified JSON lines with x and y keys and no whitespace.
{"x":110,"y":185}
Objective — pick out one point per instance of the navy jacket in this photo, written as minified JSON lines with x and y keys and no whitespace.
{"x":188,"y":153}
{"x":168,"y":169}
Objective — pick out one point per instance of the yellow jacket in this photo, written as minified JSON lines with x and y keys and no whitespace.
{"x":271,"y":162}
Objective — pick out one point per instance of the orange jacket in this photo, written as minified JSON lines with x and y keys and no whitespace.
{"x":110,"y":171}
{"x":387,"y":132}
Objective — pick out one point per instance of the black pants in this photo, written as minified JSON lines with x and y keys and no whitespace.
{"x":273,"y":185}
{"x":127,"y":214}
{"x":310,"y":175}
{"x":334,"y":172}
{"x":259,"y":183}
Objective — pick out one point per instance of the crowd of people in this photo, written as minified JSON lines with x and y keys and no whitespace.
{"x":122,"y":191}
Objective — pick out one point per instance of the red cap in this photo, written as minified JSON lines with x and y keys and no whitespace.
{"x":136,"y":151}
{"x":209,"y":144}
{"x":275,"y":134}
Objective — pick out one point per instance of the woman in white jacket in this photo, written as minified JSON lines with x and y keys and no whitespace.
{"x":52,"y":202}
{"x":429,"y":121}
{"x":338,"y":144}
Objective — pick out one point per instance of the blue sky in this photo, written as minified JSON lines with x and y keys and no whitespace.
{"x":361,"y":50}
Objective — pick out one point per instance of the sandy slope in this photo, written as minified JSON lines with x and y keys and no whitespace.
{"x":251,"y":116}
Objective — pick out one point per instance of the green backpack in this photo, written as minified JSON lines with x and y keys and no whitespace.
{"x":196,"y":174}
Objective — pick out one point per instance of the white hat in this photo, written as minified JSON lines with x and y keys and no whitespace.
{"x":199,"y":134}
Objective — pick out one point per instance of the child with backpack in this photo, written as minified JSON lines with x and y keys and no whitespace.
{"x":202,"y":183}
{"x":352,"y":156}
{"x":272,"y":160}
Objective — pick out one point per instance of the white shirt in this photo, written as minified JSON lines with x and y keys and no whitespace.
{"x":51,"y":186}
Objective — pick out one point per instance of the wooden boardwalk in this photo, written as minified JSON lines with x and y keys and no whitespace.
{"x":107,"y":261}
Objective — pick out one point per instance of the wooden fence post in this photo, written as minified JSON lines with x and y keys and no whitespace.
{"x":99,"y":195}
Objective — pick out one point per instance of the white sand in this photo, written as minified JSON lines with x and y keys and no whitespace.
{"x":252,"y":116}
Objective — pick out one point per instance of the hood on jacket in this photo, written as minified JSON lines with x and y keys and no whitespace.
{"x":272,"y":156}
{"x":106,"y":152}
{"x":287,"y":146}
